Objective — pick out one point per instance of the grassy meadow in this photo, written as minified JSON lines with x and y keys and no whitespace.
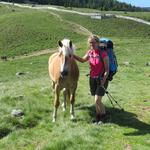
{"x":23,"y":31}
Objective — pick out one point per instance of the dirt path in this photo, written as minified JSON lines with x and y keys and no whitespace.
{"x":133,"y":19}
{"x":78,"y":28}
{"x":36,"y":53}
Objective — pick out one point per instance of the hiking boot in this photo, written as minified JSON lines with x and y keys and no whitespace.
{"x":100,"y":119}
{"x":94,"y":121}
{"x":97,"y":122}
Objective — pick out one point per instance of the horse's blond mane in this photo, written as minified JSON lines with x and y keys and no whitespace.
{"x":66,"y":49}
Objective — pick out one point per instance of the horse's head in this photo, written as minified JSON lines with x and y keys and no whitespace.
{"x":66,"y":49}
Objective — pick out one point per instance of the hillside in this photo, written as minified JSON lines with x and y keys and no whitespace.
{"x":22,"y":32}
{"x":25,"y":84}
{"x":110,"y":27}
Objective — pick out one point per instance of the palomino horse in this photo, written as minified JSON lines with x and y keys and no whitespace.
{"x":64,"y":73}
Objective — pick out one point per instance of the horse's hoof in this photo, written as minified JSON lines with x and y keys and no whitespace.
{"x":54,"y":120}
{"x":73,"y":118}
{"x":64,"y":109}
{"x":63,"y":106}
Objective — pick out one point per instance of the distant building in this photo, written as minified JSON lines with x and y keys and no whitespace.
{"x":103,"y":16}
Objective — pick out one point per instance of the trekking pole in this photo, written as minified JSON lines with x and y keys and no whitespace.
{"x":115,"y":101}
{"x":111,"y":98}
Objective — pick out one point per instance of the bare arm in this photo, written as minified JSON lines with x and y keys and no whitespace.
{"x":106,"y":66}
{"x":81,"y":59}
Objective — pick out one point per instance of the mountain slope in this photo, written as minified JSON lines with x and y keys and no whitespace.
{"x":30,"y":30}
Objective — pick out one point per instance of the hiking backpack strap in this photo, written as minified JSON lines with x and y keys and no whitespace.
{"x":102,"y":60}
{"x":100,"y":55}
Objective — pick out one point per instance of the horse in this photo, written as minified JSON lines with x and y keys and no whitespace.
{"x":64,"y":73}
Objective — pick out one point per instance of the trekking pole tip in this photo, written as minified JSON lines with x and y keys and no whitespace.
{"x":106,"y":91}
{"x":88,"y":75}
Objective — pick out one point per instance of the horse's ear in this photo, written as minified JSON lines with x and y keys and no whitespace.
{"x":70,"y":44}
{"x":60,"y":43}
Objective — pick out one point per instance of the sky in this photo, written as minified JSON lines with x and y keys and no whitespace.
{"x":139,"y":3}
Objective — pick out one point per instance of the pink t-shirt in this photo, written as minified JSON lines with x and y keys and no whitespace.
{"x":96,"y":64}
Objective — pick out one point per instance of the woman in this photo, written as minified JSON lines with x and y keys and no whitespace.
{"x":99,"y":70}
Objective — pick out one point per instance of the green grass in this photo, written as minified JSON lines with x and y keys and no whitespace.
{"x":29,"y":30}
{"x":130,"y":88}
{"x":25,"y":30}
{"x":32,"y":93}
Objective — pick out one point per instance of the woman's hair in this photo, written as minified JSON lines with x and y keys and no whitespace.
{"x":93,"y":37}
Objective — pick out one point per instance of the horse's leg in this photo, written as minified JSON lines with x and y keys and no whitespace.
{"x":65,"y":97}
{"x":72,"y":101}
{"x":53,"y":84}
{"x":56,"y":102}
{"x":66,"y":94}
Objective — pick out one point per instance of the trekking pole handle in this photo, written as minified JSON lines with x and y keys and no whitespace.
{"x":105,"y":90}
